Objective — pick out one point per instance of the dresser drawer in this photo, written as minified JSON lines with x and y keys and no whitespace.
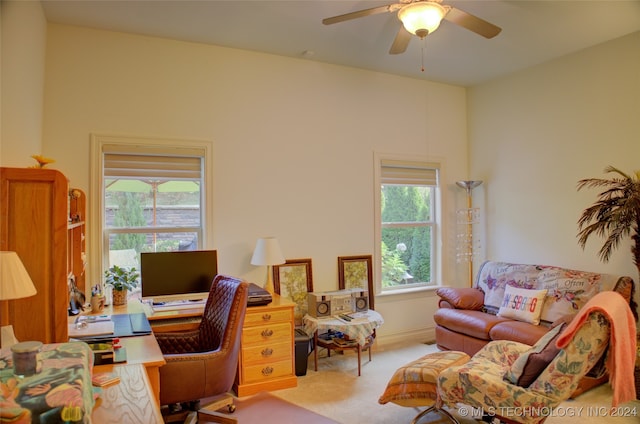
{"x":266,"y":360}
{"x":266,"y":353}
{"x":264,"y":372}
{"x":266,"y":317}
{"x":266,"y":334}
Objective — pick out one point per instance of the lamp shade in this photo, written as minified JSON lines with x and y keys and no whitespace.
{"x":15,"y":282}
{"x":267,"y":252}
{"x":421,"y":18}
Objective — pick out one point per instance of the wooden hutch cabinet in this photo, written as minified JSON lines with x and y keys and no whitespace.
{"x":76,"y":231}
{"x":35,"y":223}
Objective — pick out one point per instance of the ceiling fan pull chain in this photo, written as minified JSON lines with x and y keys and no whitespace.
{"x":422,"y":46}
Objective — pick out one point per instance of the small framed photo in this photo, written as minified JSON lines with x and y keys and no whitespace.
{"x":356,"y":272}
{"x":293,"y":280}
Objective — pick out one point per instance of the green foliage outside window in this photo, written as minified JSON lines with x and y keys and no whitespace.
{"x":393,"y":269}
{"x":406,"y":239}
{"x":128,"y":214}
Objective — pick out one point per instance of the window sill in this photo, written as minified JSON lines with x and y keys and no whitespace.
{"x":413,"y":290}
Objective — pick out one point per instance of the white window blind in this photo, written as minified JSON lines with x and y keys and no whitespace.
{"x":140,"y":162}
{"x":409,"y":173}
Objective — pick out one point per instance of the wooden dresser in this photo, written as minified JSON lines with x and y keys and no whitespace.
{"x":267,"y":349}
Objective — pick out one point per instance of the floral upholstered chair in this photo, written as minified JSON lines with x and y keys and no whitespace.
{"x":503,"y":380}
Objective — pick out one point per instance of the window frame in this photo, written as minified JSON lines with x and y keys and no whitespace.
{"x":98,"y":240}
{"x":437,"y":226}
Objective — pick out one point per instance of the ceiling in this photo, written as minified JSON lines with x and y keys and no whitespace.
{"x":533,"y":32}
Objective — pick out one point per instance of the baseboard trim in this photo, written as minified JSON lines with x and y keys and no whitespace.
{"x":427,"y":335}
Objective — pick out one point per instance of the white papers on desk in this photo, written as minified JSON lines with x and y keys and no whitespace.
{"x":359,"y":316}
{"x":90,"y":329}
{"x":356,"y":317}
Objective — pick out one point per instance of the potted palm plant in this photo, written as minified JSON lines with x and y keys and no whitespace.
{"x":614,"y":216}
{"x":121,"y":281}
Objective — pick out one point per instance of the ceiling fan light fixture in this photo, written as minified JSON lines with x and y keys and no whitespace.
{"x":421,"y":18}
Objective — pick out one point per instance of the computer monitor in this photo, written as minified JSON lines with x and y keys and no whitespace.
{"x":181,"y":275}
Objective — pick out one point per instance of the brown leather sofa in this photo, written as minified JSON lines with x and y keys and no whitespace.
{"x":467,"y":318}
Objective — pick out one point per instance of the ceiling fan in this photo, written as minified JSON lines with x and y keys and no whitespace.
{"x":420,"y":18}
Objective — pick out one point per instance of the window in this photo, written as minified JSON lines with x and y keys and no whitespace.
{"x":151,"y":197}
{"x":407,"y":221}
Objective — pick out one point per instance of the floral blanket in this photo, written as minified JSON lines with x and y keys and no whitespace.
{"x":480,"y":383}
{"x":60,"y":392}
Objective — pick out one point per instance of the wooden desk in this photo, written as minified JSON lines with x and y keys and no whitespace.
{"x":131,"y":401}
{"x":144,"y":350}
{"x":140,"y":349}
{"x":161,"y":321}
{"x":167,"y":321}
{"x":257,"y":371}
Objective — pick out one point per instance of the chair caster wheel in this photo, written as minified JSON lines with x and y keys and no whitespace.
{"x":231,"y":408}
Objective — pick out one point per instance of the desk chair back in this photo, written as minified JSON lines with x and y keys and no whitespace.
{"x":203,"y":363}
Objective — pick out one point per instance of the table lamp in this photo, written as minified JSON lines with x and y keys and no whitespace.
{"x":15,"y":283}
{"x":267,"y":252}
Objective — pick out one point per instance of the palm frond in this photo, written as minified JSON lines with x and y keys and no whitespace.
{"x":615,"y":214}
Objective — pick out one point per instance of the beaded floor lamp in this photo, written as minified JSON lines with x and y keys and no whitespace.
{"x":466,"y":246}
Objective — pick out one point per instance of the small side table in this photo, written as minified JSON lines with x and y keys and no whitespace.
{"x":359,"y":333}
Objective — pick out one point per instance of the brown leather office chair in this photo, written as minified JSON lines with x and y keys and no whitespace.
{"x":202,"y":363}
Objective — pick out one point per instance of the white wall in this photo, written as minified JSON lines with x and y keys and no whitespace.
{"x":22,"y":81}
{"x":293,"y":142}
{"x":535,"y":134}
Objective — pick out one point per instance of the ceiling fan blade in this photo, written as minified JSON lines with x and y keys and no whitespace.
{"x":472,"y":23}
{"x":401,"y":41}
{"x":361,"y":14}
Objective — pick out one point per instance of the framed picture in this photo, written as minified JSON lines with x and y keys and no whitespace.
{"x":293,"y":280}
{"x":356,"y":272}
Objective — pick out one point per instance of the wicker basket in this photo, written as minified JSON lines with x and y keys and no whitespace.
{"x":120,"y":297}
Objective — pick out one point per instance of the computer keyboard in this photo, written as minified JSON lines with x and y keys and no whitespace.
{"x":172,"y":306}
{"x":163,"y":324}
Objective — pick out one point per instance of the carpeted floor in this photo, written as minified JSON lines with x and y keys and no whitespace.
{"x":335,"y":391}
{"x":265,"y":408}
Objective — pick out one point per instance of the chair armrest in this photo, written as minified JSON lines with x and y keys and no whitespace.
{"x":462,"y":298}
{"x":589,"y":343}
{"x":179,"y":343}
{"x":201,"y":373}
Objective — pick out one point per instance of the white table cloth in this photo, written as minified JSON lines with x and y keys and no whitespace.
{"x":358,"y":329}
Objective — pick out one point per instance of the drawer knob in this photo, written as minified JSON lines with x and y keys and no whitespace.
{"x":267,"y":352}
{"x":266,"y":371}
{"x":266,"y":317}
{"x":267,"y":333}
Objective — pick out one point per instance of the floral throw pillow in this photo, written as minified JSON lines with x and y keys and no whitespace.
{"x":531,"y":363}
{"x":522,"y":304}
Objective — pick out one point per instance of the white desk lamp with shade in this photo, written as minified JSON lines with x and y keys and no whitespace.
{"x":268,"y":252}
{"x":15,"y":283}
